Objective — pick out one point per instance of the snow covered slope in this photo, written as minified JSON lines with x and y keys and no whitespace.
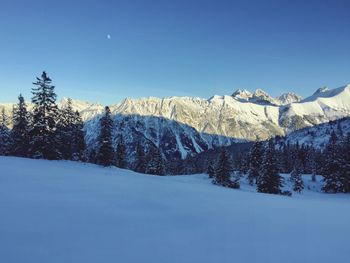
{"x":80,"y":213}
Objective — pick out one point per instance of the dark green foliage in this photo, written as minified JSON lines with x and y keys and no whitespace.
{"x":121,"y":154}
{"x":155,"y":163}
{"x":331,"y":171}
{"x":298,"y":184}
{"x":78,"y":145}
{"x":5,"y":138}
{"x":211,"y":170}
{"x":255,"y":162}
{"x":65,"y":129}
{"x":140,"y":159}
{"x":270,"y":180}
{"x":105,"y":153}
{"x":43,"y":141}
{"x":20,"y":130}
{"x":223,"y":171}
{"x":345,"y":164}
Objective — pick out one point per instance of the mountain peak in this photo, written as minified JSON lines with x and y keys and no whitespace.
{"x":321,"y":90}
{"x":289,"y":97}
{"x":242,"y":94}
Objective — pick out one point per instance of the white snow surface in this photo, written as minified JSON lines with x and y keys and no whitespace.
{"x":60,"y":211}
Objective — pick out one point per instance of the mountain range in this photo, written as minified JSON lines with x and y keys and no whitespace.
{"x":183,"y":126}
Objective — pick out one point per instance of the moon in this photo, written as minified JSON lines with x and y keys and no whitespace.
{"x":109,"y":36}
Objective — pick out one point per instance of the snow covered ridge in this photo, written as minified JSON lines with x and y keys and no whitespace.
{"x":260,"y":96}
{"x":85,"y":213}
{"x":183,"y":126}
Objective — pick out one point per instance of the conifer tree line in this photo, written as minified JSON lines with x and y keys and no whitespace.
{"x":264,"y":162}
{"x":45,"y":132}
{"x":149,"y":162}
{"x":48,"y":132}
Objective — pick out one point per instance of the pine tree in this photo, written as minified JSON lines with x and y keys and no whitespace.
{"x":255,"y":162}
{"x":211,"y":170}
{"x":140,"y":159}
{"x":78,"y":145}
{"x":5,"y":138}
{"x":105,"y":154}
{"x":155,"y":161}
{"x":298,"y":184}
{"x":43,"y":141}
{"x":65,"y":128}
{"x":269,"y":181}
{"x":121,"y":154}
{"x":20,"y":130}
{"x":343,"y":171}
{"x":346,"y":164}
{"x":286,"y":160}
{"x":235,"y":180}
{"x":331,"y":170}
{"x":223,"y":170}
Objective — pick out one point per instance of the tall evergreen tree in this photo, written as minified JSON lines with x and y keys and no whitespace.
{"x":5,"y":138}
{"x":270,"y":180}
{"x":345,"y":168}
{"x":298,"y":184}
{"x":255,"y":162}
{"x":211,"y":170}
{"x":155,"y":163}
{"x":105,"y":153}
{"x":78,"y":145}
{"x":65,"y":128}
{"x":223,"y":170}
{"x":121,"y":154}
{"x":20,"y":130}
{"x":140,"y":159}
{"x":43,"y":141}
{"x":331,"y":171}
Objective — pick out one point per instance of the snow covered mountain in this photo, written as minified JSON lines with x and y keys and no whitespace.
{"x":288,"y":98}
{"x":261,"y":97}
{"x":183,"y":126}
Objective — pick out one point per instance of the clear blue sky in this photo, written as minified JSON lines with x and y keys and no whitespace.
{"x":173,"y":48}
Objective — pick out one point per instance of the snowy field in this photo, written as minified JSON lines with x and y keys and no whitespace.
{"x":69,"y":212}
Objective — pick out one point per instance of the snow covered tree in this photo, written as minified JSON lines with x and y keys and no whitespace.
{"x":270,"y":180}
{"x":43,"y":141}
{"x":140,"y":159}
{"x":255,"y":162}
{"x":20,"y":130}
{"x":298,"y":184}
{"x":5,"y":138}
{"x":121,"y":154}
{"x":332,"y":165}
{"x":155,"y":163}
{"x":105,"y":153}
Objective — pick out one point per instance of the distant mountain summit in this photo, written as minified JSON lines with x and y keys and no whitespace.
{"x":288,"y":98}
{"x":262,"y":97}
